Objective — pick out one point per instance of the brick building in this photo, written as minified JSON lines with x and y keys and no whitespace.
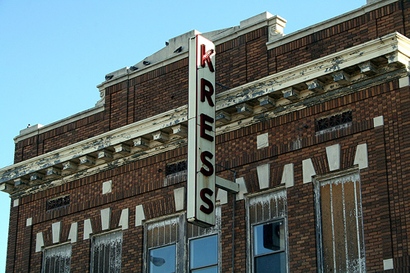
{"x":312,"y":126}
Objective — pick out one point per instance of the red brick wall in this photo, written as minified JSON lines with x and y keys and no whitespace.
{"x":239,"y":61}
{"x":385,"y":195}
{"x":385,"y":191}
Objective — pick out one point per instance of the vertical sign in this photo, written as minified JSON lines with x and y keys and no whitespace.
{"x":201,"y":133}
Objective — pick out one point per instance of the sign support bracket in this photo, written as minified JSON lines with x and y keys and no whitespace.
{"x":227,"y":185}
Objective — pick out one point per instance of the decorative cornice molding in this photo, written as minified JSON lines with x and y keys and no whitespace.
{"x":272,"y":95}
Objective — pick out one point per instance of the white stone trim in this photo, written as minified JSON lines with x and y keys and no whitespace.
{"x":124,"y":218}
{"x":222,"y":196}
{"x":403,"y":82}
{"x":288,"y":175}
{"x":56,"y":232}
{"x":29,"y":222}
{"x":263,"y":172}
{"x":139,"y":215}
{"x":388,"y":264}
{"x":242,"y":188}
{"x":39,"y":241}
{"x":72,"y":235}
{"x":378,"y":121}
{"x":107,"y":187}
{"x":179,"y":198}
{"x":99,"y":142}
{"x":308,"y":170}
{"x":361,"y":157}
{"x":105,"y":218}
{"x":88,"y":230}
{"x":333,"y":157}
{"x":262,"y":141}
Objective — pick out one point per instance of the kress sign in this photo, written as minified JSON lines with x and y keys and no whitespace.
{"x":201,"y":133}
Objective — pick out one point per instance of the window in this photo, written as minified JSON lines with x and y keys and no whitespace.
{"x":340,"y":224}
{"x":166,"y":248}
{"x":204,"y":246}
{"x":203,"y":254}
{"x":106,"y":250}
{"x":57,"y":259}
{"x":57,"y":203}
{"x":269,"y":247}
{"x":162,"y":259}
{"x":164,"y":241}
{"x":177,"y":167}
{"x":175,"y":173}
{"x":330,"y":123}
{"x":267,"y":230}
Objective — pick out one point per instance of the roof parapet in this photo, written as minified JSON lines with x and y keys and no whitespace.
{"x":179,"y":44}
{"x":276,"y":23}
{"x":30,"y":129}
{"x":372,"y":1}
{"x":296,"y":88}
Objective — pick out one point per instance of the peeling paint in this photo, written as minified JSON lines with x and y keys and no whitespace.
{"x":272,"y":85}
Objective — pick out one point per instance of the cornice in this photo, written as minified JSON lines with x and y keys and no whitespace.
{"x":238,"y":107}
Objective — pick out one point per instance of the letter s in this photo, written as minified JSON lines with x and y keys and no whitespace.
{"x":204,"y":192}
{"x":204,"y":159}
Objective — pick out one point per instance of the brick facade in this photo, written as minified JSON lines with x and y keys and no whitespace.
{"x":292,"y":138}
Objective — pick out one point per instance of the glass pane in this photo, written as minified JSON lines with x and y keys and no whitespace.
{"x":273,"y":263}
{"x":203,"y":252}
{"x":269,"y":238}
{"x":212,"y":269}
{"x":162,"y":259}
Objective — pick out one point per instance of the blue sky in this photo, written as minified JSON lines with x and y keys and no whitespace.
{"x":53,"y":54}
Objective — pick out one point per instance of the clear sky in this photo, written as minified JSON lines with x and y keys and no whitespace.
{"x":53,"y":54}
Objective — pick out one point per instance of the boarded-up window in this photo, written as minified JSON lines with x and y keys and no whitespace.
{"x":106,"y":253}
{"x":267,"y":232}
{"x":340,"y":224}
{"x":57,"y":259}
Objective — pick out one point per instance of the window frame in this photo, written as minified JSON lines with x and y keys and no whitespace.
{"x":285,"y":247}
{"x":273,"y":216}
{"x":159,"y":247}
{"x":46,"y":249}
{"x":92,"y":242}
{"x":218,"y":254}
{"x":178,"y":219}
{"x":326,"y":179}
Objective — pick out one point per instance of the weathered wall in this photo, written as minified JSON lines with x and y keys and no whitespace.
{"x":241,"y":60}
{"x":385,"y":191}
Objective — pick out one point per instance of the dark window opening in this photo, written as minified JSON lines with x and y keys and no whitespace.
{"x":57,"y":202}
{"x":176,"y":167}
{"x":334,"y":122}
